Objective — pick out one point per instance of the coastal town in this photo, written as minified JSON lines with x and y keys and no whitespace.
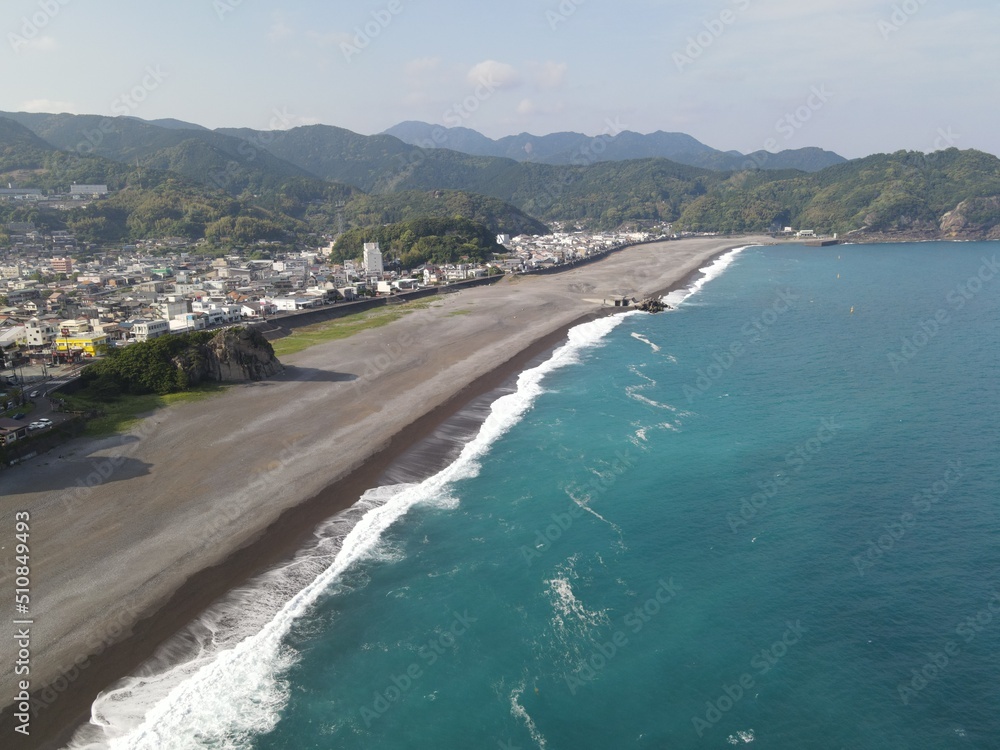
{"x":63,"y":302}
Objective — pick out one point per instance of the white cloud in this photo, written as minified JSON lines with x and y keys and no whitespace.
{"x":532,"y":108}
{"x":46,"y":105}
{"x":333,"y":39}
{"x":526,"y":107}
{"x":497,"y":74}
{"x":550,"y":75}
{"x":280,"y":31}
{"x":422,"y":65}
{"x":38,"y":44}
{"x":296,"y":121}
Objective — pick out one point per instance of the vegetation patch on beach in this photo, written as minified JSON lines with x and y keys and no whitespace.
{"x":342,"y":328}
{"x":123,"y":412}
{"x":134,"y":381}
{"x":170,"y":364}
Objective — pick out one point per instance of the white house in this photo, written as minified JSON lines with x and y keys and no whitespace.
{"x":290,"y":304}
{"x":257,"y":309}
{"x":193,"y":321}
{"x":39,"y":334}
{"x":144,"y":330}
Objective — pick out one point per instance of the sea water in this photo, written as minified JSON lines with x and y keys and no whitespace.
{"x":770,"y":518}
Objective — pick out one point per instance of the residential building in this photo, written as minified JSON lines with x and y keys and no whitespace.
{"x":11,"y":430}
{"x":373,"y":259}
{"x":88,"y":190}
{"x":145,"y":330}
{"x":38,"y":334}
{"x":85,"y":343}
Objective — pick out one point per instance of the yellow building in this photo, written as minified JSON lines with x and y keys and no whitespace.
{"x":88,"y":343}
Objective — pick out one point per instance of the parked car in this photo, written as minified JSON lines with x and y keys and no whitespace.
{"x":19,"y":415}
{"x":37,"y":426}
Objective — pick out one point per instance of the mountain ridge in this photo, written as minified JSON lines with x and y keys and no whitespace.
{"x":321,"y":178}
{"x":577,"y":148}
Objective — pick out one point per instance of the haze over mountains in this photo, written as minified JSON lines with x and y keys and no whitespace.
{"x":180,"y":178}
{"x":613,"y":145}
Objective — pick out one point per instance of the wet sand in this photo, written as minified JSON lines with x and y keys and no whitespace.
{"x":200,"y":497}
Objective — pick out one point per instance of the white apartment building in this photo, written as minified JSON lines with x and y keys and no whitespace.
{"x":373,"y":258}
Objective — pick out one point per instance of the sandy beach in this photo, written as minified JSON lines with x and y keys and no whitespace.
{"x":132,"y":536}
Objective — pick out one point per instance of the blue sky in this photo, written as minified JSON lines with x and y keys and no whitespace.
{"x":853,"y":76}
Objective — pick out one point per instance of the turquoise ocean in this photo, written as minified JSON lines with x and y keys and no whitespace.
{"x":769,"y":518}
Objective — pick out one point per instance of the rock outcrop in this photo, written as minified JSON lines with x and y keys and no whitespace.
{"x":231,"y":355}
{"x":976,"y":218}
{"x":653,"y":305}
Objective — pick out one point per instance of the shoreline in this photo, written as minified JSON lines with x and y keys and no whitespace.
{"x":279,"y":540}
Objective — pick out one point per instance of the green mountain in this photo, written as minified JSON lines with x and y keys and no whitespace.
{"x":214,"y":159}
{"x":145,"y":203}
{"x":325,"y":179}
{"x":333,"y":154}
{"x":168,"y":194}
{"x":579,"y":149}
{"x":420,"y":241}
{"x":606,"y":193}
{"x":391,"y":208}
{"x":884,"y":193}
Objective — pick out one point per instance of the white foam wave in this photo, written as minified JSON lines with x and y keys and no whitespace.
{"x":519,"y":712}
{"x":745,"y":737}
{"x":572,"y":623}
{"x":232,"y":687}
{"x":709,"y":272}
{"x":584,"y":504}
{"x":643,"y":339}
{"x":634,"y":392}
